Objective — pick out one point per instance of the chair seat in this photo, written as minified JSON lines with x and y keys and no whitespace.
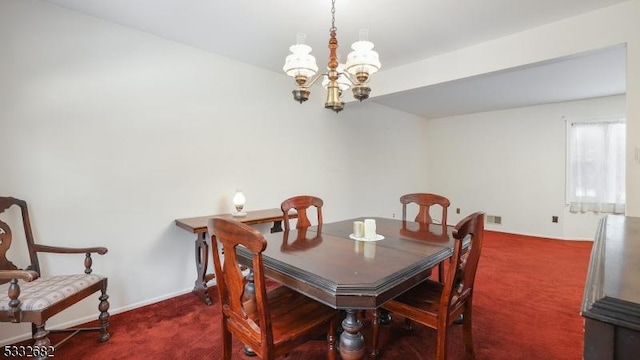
{"x":46,"y":292}
{"x":294,"y":313}
{"x":422,"y":299}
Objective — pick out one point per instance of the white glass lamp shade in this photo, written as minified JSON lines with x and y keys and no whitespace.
{"x":238,"y":202}
{"x":363,"y":59}
{"x":343,"y":81}
{"x":238,"y":198}
{"x":300,"y":62}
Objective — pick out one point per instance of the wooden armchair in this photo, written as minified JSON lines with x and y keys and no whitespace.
{"x":437,"y":305}
{"x":301,"y":204}
{"x":271,"y":323}
{"x":27,"y":296}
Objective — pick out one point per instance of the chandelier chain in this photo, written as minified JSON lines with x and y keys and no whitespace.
{"x":333,"y":16}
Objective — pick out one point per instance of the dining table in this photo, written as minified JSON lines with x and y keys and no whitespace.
{"x":327,"y":263}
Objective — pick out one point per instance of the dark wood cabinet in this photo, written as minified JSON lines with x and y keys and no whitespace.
{"x":611,"y":303}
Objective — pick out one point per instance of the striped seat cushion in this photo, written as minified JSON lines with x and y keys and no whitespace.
{"x":45,"y":292}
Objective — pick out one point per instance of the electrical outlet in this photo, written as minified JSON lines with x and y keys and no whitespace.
{"x":494,"y":219}
{"x":393,"y":215}
{"x":457,"y":210}
{"x":554,"y":219}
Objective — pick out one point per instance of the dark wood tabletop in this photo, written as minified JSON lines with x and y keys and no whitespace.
{"x":345,"y":273}
{"x":407,"y":230}
{"x":198,"y":224}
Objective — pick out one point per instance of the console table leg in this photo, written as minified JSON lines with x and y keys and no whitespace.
{"x":202,"y":261}
{"x":249,"y":293}
{"x":351,"y":340}
{"x":277,"y":226}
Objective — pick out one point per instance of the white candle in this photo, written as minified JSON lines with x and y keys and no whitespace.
{"x":358,"y":229}
{"x":369,"y":228}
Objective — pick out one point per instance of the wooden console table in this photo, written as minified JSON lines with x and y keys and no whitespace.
{"x":198,"y":226}
{"x":611,"y":303}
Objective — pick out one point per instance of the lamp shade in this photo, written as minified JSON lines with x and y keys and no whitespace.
{"x":300,"y":62}
{"x":363,"y":59}
{"x":238,"y":198}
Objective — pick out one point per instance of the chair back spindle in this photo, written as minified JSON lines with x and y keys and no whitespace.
{"x":425,"y":201}
{"x":301,"y":204}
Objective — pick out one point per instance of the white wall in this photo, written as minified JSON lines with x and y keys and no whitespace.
{"x":617,"y":24}
{"x":512,"y":163}
{"x":110,"y":134}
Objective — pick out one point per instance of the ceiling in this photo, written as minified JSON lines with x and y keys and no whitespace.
{"x":584,"y":76}
{"x":259,"y":33}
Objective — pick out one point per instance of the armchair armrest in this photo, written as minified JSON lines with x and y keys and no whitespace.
{"x":88,"y":262}
{"x":66,"y":250}
{"x":26,"y":275}
{"x":14,"y":289}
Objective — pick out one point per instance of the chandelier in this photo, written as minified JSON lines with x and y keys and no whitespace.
{"x":361,"y":63}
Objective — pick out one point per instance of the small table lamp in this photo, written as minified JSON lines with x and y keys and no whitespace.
{"x":238,"y":202}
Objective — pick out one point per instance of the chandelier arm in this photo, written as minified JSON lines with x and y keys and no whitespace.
{"x":352,"y":79}
{"x":312,"y":81}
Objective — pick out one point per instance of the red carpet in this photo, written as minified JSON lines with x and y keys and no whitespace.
{"x":526,"y":306}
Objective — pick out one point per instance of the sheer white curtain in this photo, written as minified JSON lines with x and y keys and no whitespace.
{"x":596,"y":166}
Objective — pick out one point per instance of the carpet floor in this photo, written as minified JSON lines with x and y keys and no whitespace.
{"x":526,"y":306}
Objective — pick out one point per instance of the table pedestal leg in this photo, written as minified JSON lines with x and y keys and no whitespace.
{"x":351,"y":340}
{"x":202,"y":261}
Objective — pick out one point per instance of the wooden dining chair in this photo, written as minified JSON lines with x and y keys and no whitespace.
{"x":30,"y":296}
{"x":301,"y":204}
{"x":271,"y":323}
{"x":425,"y":201}
{"x":437,"y":305}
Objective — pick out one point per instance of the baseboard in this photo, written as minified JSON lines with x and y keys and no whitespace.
{"x":536,"y":235}
{"x":146,"y":302}
{"x":15,"y":339}
{"x":86,"y":319}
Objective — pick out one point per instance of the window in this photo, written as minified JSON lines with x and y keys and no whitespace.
{"x":596,"y":166}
